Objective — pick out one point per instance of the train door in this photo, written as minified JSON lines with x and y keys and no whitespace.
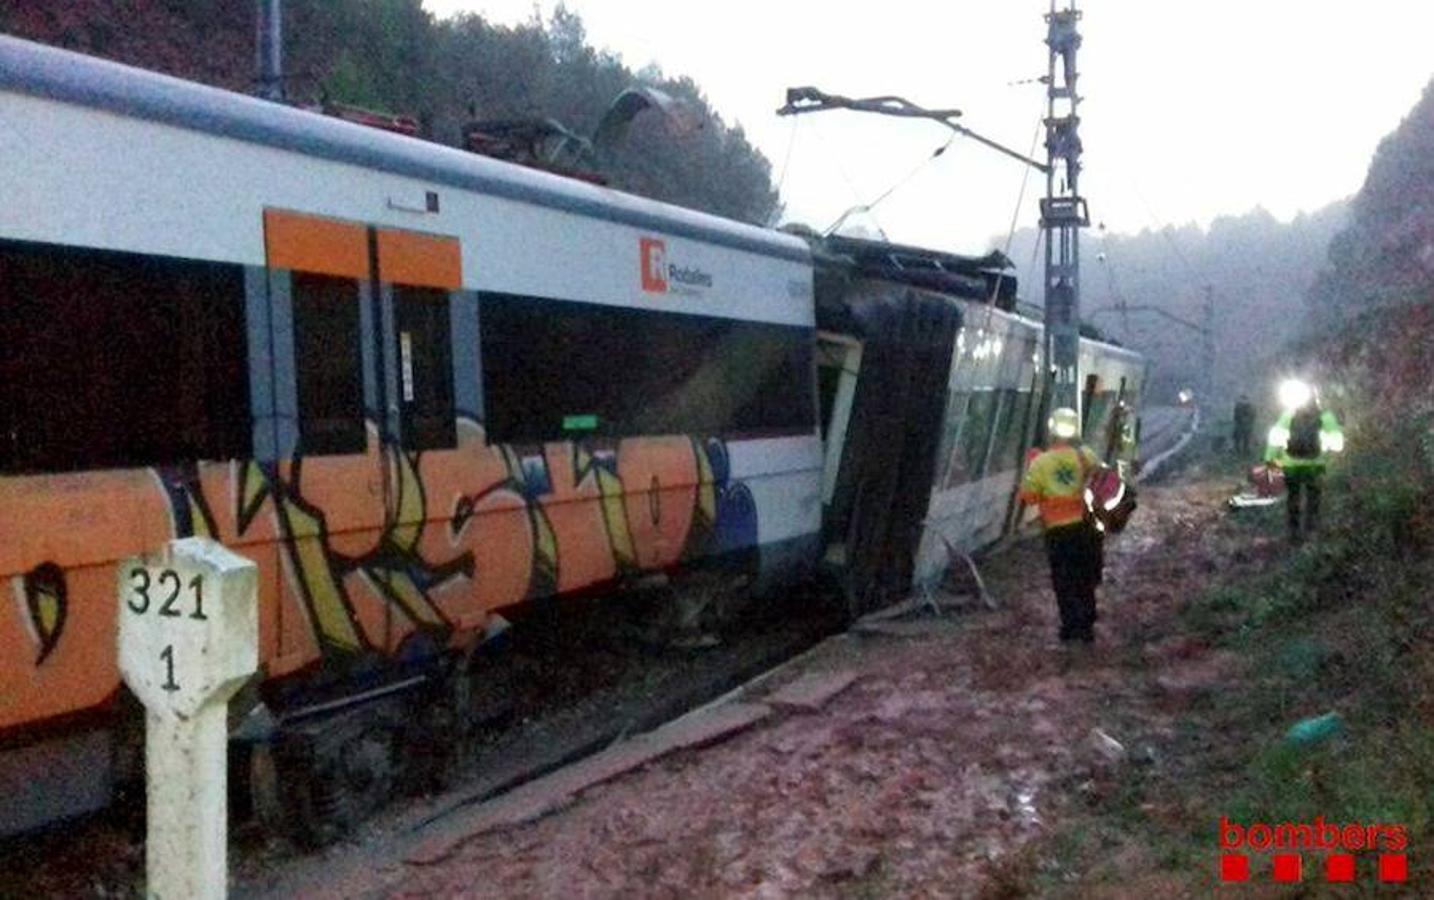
{"x":363,"y":377}
{"x":415,"y":279}
{"x":326,"y":486}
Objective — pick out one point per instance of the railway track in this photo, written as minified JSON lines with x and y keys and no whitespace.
{"x":575,"y":682}
{"x":1162,"y":427}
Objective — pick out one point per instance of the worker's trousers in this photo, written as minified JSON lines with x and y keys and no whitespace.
{"x":1302,"y":489}
{"x":1075,"y":552}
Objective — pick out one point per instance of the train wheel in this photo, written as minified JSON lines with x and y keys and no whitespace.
{"x":322,"y":784}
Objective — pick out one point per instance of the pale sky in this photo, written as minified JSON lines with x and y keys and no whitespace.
{"x":1192,"y":109}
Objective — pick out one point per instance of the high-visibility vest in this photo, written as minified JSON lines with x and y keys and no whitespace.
{"x":1331,"y":440}
{"x":1055,"y":482}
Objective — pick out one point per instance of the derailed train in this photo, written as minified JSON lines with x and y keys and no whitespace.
{"x":417,"y":387}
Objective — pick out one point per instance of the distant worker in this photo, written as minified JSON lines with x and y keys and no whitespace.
{"x":1244,"y":426}
{"x":1055,"y":482}
{"x":1300,"y":443}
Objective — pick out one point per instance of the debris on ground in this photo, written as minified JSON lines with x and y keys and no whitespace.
{"x":927,"y":762}
{"x":812,"y":691}
{"x":1316,"y":729}
{"x":1111,"y":750}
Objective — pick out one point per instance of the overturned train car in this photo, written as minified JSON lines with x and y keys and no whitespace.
{"x":932,"y":393}
{"x":417,"y":387}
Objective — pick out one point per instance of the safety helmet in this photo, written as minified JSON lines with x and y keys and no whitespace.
{"x":1064,"y":423}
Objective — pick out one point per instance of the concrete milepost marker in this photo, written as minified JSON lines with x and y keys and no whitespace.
{"x":188,"y":640}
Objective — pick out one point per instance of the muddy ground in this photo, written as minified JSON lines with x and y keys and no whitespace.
{"x":962,"y":760}
{"x":966,"y":746}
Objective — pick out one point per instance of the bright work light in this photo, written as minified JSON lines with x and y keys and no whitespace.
{"x":1294,"y":393}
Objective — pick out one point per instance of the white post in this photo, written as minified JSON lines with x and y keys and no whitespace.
{"x":188,"y":640}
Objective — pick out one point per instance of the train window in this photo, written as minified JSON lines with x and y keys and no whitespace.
{"x":1092,"y":384}
{"x":1000,"y":425}
{"x":949,"y":465}
{"x":328,"y":364}
{"x":555,"y":369}
{"x":1007,"y":453}
{"x":118,"y":360}
{"x":976,"y":434}
{"x":1097,"y":417}
{"x":425,"y":368}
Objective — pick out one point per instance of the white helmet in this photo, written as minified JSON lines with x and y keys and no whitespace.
{"x":1064,"y":423}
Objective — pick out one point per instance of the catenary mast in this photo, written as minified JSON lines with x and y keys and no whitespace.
{"x":1063,"y":211}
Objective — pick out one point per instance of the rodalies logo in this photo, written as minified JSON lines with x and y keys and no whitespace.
{"x":662,"y":277}
{"x":1338,"y":843}
{"x":654,"y":265}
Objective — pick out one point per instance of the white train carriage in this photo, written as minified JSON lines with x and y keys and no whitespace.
{"x":415,"y":385}
{"x":420,"y":386}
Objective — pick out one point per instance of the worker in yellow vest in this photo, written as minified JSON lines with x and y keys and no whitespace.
{"x":1055,"y":483}
{"x":1301,"y":443}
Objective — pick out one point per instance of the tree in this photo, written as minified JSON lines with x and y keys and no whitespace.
{"x":394,"y":56}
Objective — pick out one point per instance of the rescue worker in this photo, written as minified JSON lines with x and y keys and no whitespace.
{"x":1300,"y":443}
{"x":1055,"y":483}
{"x":1244,"y":426}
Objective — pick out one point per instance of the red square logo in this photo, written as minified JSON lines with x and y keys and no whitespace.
{"x":1393,"y":867}
{"x":1339,"y":867}
{"x":1234,"y":867}
{"x":1287,"y":867}
{"x":654,"y":265}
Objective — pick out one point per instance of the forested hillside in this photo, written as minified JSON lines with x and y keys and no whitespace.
{"x":1257,"y":269}
{"x":1371,"y":329}
{"x":392,"y":55}
{"x":1385,"y":257}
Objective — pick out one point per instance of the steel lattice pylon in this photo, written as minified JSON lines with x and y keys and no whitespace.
{"x":1063,"y":210}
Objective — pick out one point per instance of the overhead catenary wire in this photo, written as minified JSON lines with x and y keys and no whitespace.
{"x":1025,"y":179}
{"x":1016,"y":218}
{"x":836,"y":163}
{"x":782,"y":177}
{"x":902,"y":182}
{"x":1164,"y":232}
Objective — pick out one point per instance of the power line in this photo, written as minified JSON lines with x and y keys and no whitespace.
{"x":1021,"y":195}
{"x":782,"y":178}
{"x":868,"y":207}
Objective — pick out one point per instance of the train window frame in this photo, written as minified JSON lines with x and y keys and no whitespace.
{"x":329,"y":424}
{"x":558,"y":369}
{"x":108,"y":397}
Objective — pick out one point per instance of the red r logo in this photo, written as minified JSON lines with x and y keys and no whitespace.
{"x":654,"y":265}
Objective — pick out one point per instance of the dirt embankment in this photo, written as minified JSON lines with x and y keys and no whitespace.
{"x":957,"y":764}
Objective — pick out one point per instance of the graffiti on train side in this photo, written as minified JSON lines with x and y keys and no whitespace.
{"x":390,"y":553}
{"x":43,"y":593}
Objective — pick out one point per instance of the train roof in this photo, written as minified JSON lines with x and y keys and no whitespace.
{"x":978,"y":278}
{"x":62,"y":75}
